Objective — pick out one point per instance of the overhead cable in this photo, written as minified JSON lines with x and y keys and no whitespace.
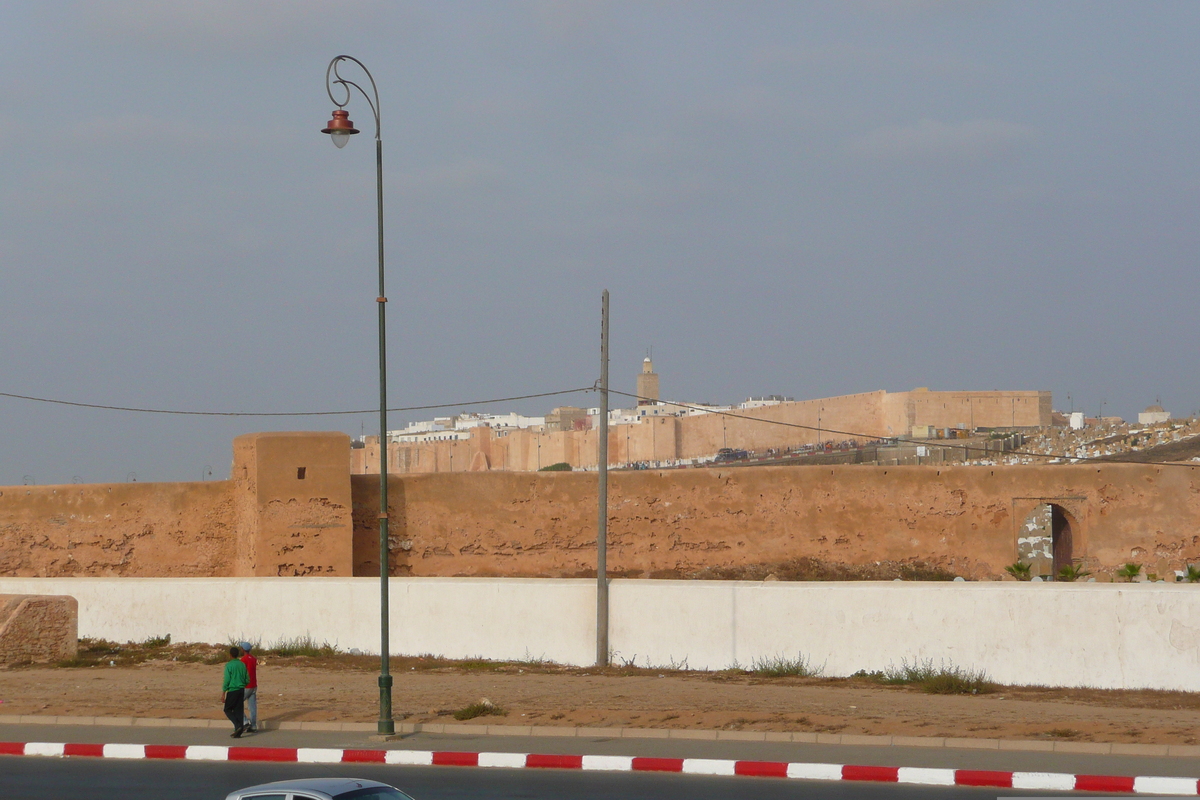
{"x":289,"y":413}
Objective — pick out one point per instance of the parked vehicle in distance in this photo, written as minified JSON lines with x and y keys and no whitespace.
{"x":320,"y":789}
{"x":729,"y":454}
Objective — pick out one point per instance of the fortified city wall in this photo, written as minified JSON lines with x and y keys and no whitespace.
{"x":874,"y":415}
{"x":292,"y":508}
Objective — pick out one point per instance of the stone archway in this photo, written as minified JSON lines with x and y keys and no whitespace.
{"x":1061,"y":538}
{"x":1047,"y":537}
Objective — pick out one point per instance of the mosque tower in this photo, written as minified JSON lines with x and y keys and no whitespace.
{"x":647,"y":384}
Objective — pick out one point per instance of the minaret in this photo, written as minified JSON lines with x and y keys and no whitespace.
{"x":647,"y":384}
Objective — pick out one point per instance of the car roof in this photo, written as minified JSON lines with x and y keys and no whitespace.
{"x":329,"y":786}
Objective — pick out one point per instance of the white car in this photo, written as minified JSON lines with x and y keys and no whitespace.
{"x":320,"y":789}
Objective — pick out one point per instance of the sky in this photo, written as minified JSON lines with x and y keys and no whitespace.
{"x":797,"y":198}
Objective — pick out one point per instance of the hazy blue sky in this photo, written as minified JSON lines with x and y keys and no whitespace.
{"x":806,"y":198}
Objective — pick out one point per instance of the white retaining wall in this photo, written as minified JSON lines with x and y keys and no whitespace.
{"x":1083,"y":634}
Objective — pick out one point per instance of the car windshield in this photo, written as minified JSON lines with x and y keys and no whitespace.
{"x":373,"y":793}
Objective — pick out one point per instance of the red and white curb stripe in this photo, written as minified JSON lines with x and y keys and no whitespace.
{"x":1048,"y":781}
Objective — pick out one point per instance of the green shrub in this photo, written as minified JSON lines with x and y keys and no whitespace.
{"x":1072,"y":572}
{"x":942,"y":679}
{"x":1129,"y":571}
{"x":561,"y":466}
{"x":1193,"y":574}
{"x":1019,"y":570}
{"x":156,"y":642}
{"x":302,"y":646}
{"x":781,"y":666}
{"x":957,"y":680}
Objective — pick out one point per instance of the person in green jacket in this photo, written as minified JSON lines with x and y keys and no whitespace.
{"x":233,"y":691}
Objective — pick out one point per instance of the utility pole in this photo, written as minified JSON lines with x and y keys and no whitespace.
{"x":602,"y":514}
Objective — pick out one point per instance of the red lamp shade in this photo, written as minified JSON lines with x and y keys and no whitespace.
{"x":340,"y":127}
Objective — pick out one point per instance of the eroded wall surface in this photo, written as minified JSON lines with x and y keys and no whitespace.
{"x":295,"y":490}
{"x":675,"y":522}
{"x":126,"y":529}
{"x":35,"y":627}
{"x":285,"y":511}
{"x":293,"y":509}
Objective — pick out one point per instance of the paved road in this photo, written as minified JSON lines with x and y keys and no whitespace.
{"x":666,"y":748}
{"x":23,"y":778}
{"x":39,"y":778}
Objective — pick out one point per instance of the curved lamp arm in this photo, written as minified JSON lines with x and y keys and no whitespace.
{"x":340,"y":125}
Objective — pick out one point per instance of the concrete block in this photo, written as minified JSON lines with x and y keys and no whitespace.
{"x":551,"y":730}
{"x":509,"y":730}
{"x":1140,"y":749}
{"x":1031,"y":745}
{"x":39,"y":628}
{"x":855,"y":738}
{"x":973,"y":744}
{"x":114,"y":721}
{"x":692,"y":734}
{"x":918,"y":741}
{"x":644,"y":733}
{"x":1184,"y":750}
{"x":599,"y":733}
{"x":1094,"y":748}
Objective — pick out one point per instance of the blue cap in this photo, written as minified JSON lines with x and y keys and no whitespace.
{"x":244,"y":645}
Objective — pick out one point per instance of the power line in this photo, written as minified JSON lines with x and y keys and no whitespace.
{"x":289,"y":413}
{"x":924,"y":442}
{"x":592,"y":388}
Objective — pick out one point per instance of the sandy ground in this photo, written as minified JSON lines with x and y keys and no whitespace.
{"x":289,"y":691}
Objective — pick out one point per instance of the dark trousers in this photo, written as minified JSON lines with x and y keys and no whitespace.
{"x":233,"y":707}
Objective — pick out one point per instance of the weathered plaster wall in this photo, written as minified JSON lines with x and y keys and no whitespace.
{"x":127,"y":529}
{"x":300,"y":521}
{"x":968,"y":519}
{"x":265,"y":520}
{"x":269,"y":521}
{"x":37,"y":627}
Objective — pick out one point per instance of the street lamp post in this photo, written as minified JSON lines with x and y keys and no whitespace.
{"x":340,"y":129}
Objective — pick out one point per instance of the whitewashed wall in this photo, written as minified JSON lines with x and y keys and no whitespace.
{"x":1099,"y":635}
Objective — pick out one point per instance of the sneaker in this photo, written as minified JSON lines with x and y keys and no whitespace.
{"x":238,"y":733}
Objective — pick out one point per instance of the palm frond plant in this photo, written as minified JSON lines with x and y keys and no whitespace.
{"x":1129,"y":571}
{"x":1072,"y":572}
{"x":1019,"y":570}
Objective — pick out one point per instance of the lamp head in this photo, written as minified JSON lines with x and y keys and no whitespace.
{"x":340,"y":128}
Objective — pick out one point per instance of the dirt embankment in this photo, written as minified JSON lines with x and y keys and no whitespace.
{"x":176,"y":682}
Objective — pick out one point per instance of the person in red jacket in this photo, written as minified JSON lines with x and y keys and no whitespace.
{"x":251,"y":688}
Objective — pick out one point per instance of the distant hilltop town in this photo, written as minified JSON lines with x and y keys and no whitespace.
{"x":662,"y":434}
